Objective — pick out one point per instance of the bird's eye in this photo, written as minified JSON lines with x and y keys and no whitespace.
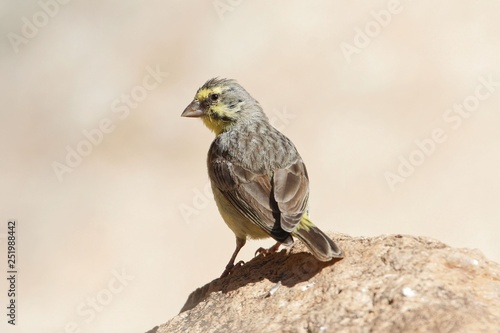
{"x":214,"y":97}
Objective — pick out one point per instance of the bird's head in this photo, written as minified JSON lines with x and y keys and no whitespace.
{"x":222,"y":103}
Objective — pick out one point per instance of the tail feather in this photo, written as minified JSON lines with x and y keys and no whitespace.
{"x":317,"y":241}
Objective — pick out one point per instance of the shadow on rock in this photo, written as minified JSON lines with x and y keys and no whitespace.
{"x":290,"y":269}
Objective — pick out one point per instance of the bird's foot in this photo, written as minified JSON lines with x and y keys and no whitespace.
{"x":230,"y":268}
{"x":270,"y":250}
{"x":288,"y":248}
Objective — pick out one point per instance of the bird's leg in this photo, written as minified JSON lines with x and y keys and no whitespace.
{"x":270,"y":250}
{"x":288,"y":247}
{"x":240,"y":242}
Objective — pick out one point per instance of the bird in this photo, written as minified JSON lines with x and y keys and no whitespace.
{"x":258,"y":178}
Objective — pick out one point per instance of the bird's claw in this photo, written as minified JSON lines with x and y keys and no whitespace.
{"x":229,"y":269}
{"x":261,"y":251}
{"x":265,"y":252}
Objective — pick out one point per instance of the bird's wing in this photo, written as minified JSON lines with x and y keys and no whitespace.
{"x":291,"y":192}
{"x":275,"y":203}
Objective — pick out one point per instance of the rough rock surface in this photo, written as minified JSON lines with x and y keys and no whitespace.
{"x":384,"y":284}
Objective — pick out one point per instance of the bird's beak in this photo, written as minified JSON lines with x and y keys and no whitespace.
{"x":193,"y":110}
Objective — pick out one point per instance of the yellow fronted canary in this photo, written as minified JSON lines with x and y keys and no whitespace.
{"x":258,"y":178}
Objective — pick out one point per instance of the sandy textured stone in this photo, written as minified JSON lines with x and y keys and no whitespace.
{"x":384,"y":284}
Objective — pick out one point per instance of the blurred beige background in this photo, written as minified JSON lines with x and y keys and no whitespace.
{"x":118,"y":239}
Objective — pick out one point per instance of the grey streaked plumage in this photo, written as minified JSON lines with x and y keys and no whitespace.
{"x":259,"y":180}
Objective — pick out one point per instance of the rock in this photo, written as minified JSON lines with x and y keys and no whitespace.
{"x":384,"y":284}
